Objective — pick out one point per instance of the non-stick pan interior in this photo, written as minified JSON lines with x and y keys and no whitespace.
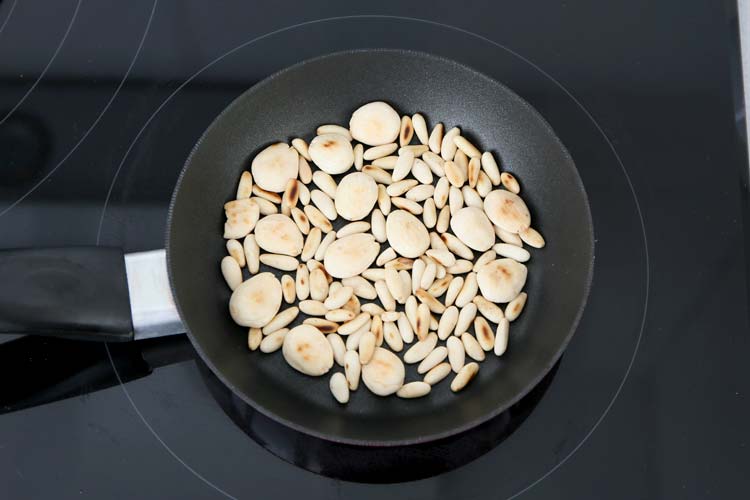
{"x":292,"y":104}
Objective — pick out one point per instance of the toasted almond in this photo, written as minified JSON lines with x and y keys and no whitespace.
{"x":359,"y":156}
{"x":428,"y":276}
{"x":433,"y":304}
{"x":435,"y":163}
{"x":472,"y":347}
{"x":489,"y":165}
{"x":279,"y":261}
{"x":462,"y":162}
{"x":406,"y":234}
{"x":473,"y":228}
{"x":302,"y":283}
{"x":281,"y":320}
{"x":515,"y":306}
{"x":231,"y":272}
{"x":437,"y":374}
{"x":421,"y":172}
{"x":332,"y":153}
{"x":324,"y":204}
{"x":267,"y":195}
{"x":507,"y":210}
{"x":436,"y":138}
{"x":489,"y":310}
{"x":466,"y":316}
{"x":376,"y":152}
{"x":353,"y":305}
{"x":532,"y":237}
{"x":375,"y":123}
{"x":439,"y":287}
{"x":433,"y":359}
{"x":339,"y":315}
{"x":421,"y":349}
{"x":299,"y":218}
{"x":422,"y":324}
{"x":483,"y":331}
{"x":235,"y":250}
{"x":510,"y":183}
{"x":372,"y":309}
{"x":245,"y":186}
{"x":242,"y":215}
{"x":384,"y":374}
{"x":403,"y":165}
{"x":455,"y":199}
{"x":265,"y":207}
{"x":392,"y":336}
{"x":339,"y":387}
{"x":279,"y":234}
{"x":361,"y":287}
{"x":290,"y":197}
{"x":307,"y":350}
{"x":322,"y":247}
{"x":410,"y":309}
{"x":384,"y":201}
{"x":274,"y":166}
{"x":457,"y":247}
{"x":410,"y":206}
{"x":322,"y":324}
{"x":352,"y":369}
{"x":386,"y":256}
{"x":454,"y":174}
{"x":454,"y":288}
{"x":376,"y":327}
{"x":274,"y":341}
{"x":355,"y":196}
{"x":374,"y":274}
{"x":460,"y":267}
{"x":254,"y":338}
{"x":473,"y":170}
{"x":501,"y":280}
{"x":256,"y":301}
{"x":406,"y":132}
{"x":511,"y":251}
{"x":400,"y":187}
{"x":472,"y":198}
{"x":421,"y":193}
{"x":484,"y":184}
{"x":381,"y":176}
{"x":312,"y":307}
{"x":317,"y":219}
{"x":463,"y":377}
{"x":318,"y":285}
{"x":414,"y":390}
{"x":386,"y":162}
{"x":331,"y":128}
{"x":448,"y":146}
{"x":325,"y":183}
{"x":305,"y":172}
{"x":467,"y":147}
{"x":443,"y":220}
{"x":417,"y":149}
{"x":353,"y":325}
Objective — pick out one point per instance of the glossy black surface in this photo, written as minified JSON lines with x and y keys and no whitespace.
{"x":656,"y":76}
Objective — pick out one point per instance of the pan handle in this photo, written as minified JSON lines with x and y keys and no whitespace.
{"x":86,"y":293}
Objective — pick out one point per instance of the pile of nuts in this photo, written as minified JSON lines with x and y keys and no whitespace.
{"x":401,"y":266}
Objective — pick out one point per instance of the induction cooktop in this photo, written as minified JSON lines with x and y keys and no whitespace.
{"x":100,"y":104}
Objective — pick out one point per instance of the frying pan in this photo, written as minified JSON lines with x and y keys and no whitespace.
{"x":90,"y":285}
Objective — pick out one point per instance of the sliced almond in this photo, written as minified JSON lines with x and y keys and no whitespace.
{"x":352,"y":369}
{"x":318,"y":285}
{"x":436,"y":164}
{"x":336,"y":299}
{"x":384,"y":374}
{"x":454,"y":288}
{"x":443,"y":220}
{"x":433,"y":359}
{"x":466,"y":317}
{"x":376,"y":152}
{"x":307,"y":350}
{"x":254,"y":338}
{"x":437,"y":374}
{"x":359,"y":156}
{"x":386,"y":162}
{"x":400,"y":187}
{"x":472,"y":347}
{"x":332,"y":153}
{"x":515,"y":306}
{"x":231,"y":272}
{"x":375,"y":123}
{"x":473,"y":228}
{"x":448,"y":146}
{"x":317,"y":219}
{"x":325,"y":183}
{"x":532,"y":237}
{"x":433,"y":304}
{"x":265,"y":207}
{"x":484,"y":333}
{"x":242,"y":215}
{"x":489,"y":165}
{"x":507,"y":210}
{"x":406,"y":234}
{"x":501,"y":280}
{"x":454,"y":174}
{"x":403,"y":165}
{"x":323,"y":246}
{"x":274,"y":341}
{"x":245,"y":186}
{"x":421,"y":171}
{"x":512,"y":252}
{"x":381,"y":176}
{"x":422,"y":325}
{"x":436,"y":138}
{"x":274,"y":166}
{"x":322,"y":324}
{"x":463,"y":377}
{"x":256,"y":301}
{"x":353,"y":325}
{"x":456,"y":353}
{"x":455,"y":199}
{"x":421,"y":349}
{"x":355,"y":196}
{"x":281,"y":320}
{"x":410,"y":206}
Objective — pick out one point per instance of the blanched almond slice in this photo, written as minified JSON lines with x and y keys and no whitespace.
{"x":355,"y":196}
{"x":489,"y":310}
{"x":406,"y":234}
{"x":433,"y":359}
{"x":386,"y":162}
{"x":421,"y":171}
{"x":437,"y":374}
{"x":333,"y":153}
{"x":414,"y":390}
{"x":467,"y":373}
{"x":267,"y":195}
{"x":265,"y":207}
{"x":235,"y":250}
{"x":361,"y":287}
{"x":281,"y":320}
{"x":290,"y":197}
{"x":274,"y":166}
{"x":484,"y":185}
{"x":400,"y":187}
{"x":406,"y":132}
{"x":339,"y":387}
{"x":331,"y":128}
{"x":392,"y":336}
{"x":433,"y":304}
{"x":377,"y":223}
{"x":279,"y":234}
{"x":256,"y":301}
{"x":410,"y":206}
{"x":456,"y":246}
{"x":440,"y":286}
{"x":350,"y":255}
{"x":305,"y":172}
{"x":245,"y":186}
{"x":278,"y":261}
{"x":489,"y":165}
{"x":515,"y":306}
{"x":384,"y":374}
{"x":472,"y":347}
{"x":288,"y":289}
{"x":325,"y":183}
{"x":252,"y":253}
{"x":324,"y":204}
{"x":353,"y":228}
{"x":352,"y":326}
{"x":242,"y":215}
{"x":323,"y":246}
{"x":318,"y":285}
{"x":473,"y":170}
{"x":472,"y":198}
{"x":421,"y":349}
{"x":340,"y":315}
{"x":467,"y":147}
{"x":454,"y":174}
{"x":453,"y":290}
{"x":274,"y":341}
{"x":336,"y":299}
{"x":307,"y":350}
{"x":352,"y":368}
{"x":508,"y":237}
{"x":317,"y":219}
{"x":359,"y":159}
{"x":443,"y":220}
{"x":436,"y":138}
{"x":447,"y":146}
{"x":455,"y":199}
{"x":465,"y":317}
{"x":231,"y":272}
{"x":429,"y":213}
{"x":510,"y":183}
{"x":312,"y":307}
{"x":456,"y":353}
{"x":461,"y":266}
{"x":532,"y":237}
{"x":422,"y":325}
{"x":417,"y":271}
{"x":403,"y":165}
{"x":375,"y":123}
{"x":381,"y":176}
{"x":501,"y":280}
{"x":435,"y":162}
{"x":381,"y":151}
{"x":421,"y":192}
{"x":384,"y":201}
{"x":485,"y":336}
{"x":513,"y":252}
{"x":507,"y":210}
{"x":254,"y":338}
{"x":420,"y":128}
{"x":299,"y":218}
{"x":468,"y":290}
{"x":473,"y":228}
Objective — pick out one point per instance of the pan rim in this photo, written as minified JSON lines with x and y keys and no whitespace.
{"x":425,"y":438}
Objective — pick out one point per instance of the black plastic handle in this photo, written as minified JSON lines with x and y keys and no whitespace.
{"x":76,"y":293}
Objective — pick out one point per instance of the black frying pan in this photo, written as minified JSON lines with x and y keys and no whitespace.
{"x":291,"y":104}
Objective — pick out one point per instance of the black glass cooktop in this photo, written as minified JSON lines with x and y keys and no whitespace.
{"x":100,"y":104}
